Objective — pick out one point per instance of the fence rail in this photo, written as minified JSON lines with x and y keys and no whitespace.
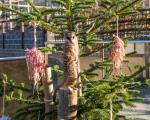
{"x":12,"y":58}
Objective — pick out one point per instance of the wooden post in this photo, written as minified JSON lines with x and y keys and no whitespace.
{"x":67,"y":104}
{"x":48,"y":85}
{"x":22,"y":35}
{"x":3,"y":34}
{"x":48,"y":89}
{"x":48,"y":92}
{"x":34,"y":35}
{"x":146,"y":58}
{"x":67,"y":108}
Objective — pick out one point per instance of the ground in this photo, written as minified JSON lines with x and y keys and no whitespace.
{"x":142,"y":109}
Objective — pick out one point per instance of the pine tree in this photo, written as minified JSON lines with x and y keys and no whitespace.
{"x":79,"y":20}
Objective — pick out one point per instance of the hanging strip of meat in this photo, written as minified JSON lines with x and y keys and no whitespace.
{"x":35,"y":64}
{"x":117,"y":54}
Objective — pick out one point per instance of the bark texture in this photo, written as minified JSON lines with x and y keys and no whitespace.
{"x":48,"y":89}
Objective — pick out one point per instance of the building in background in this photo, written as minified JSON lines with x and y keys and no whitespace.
{"x":14,"y":37}
{"x":14,"y":40}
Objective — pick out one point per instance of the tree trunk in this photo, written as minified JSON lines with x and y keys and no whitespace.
{"x":34,"y":35}
{"x":67,"y":108}
{"x":111,"y":110}
{"x":48,"y":89}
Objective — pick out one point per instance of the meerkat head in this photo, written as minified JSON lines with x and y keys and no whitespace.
{"x":71,"y":37}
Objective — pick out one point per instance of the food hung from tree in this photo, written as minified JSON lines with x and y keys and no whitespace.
{"x":35,"y":64}
{"x":117,"y":54}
